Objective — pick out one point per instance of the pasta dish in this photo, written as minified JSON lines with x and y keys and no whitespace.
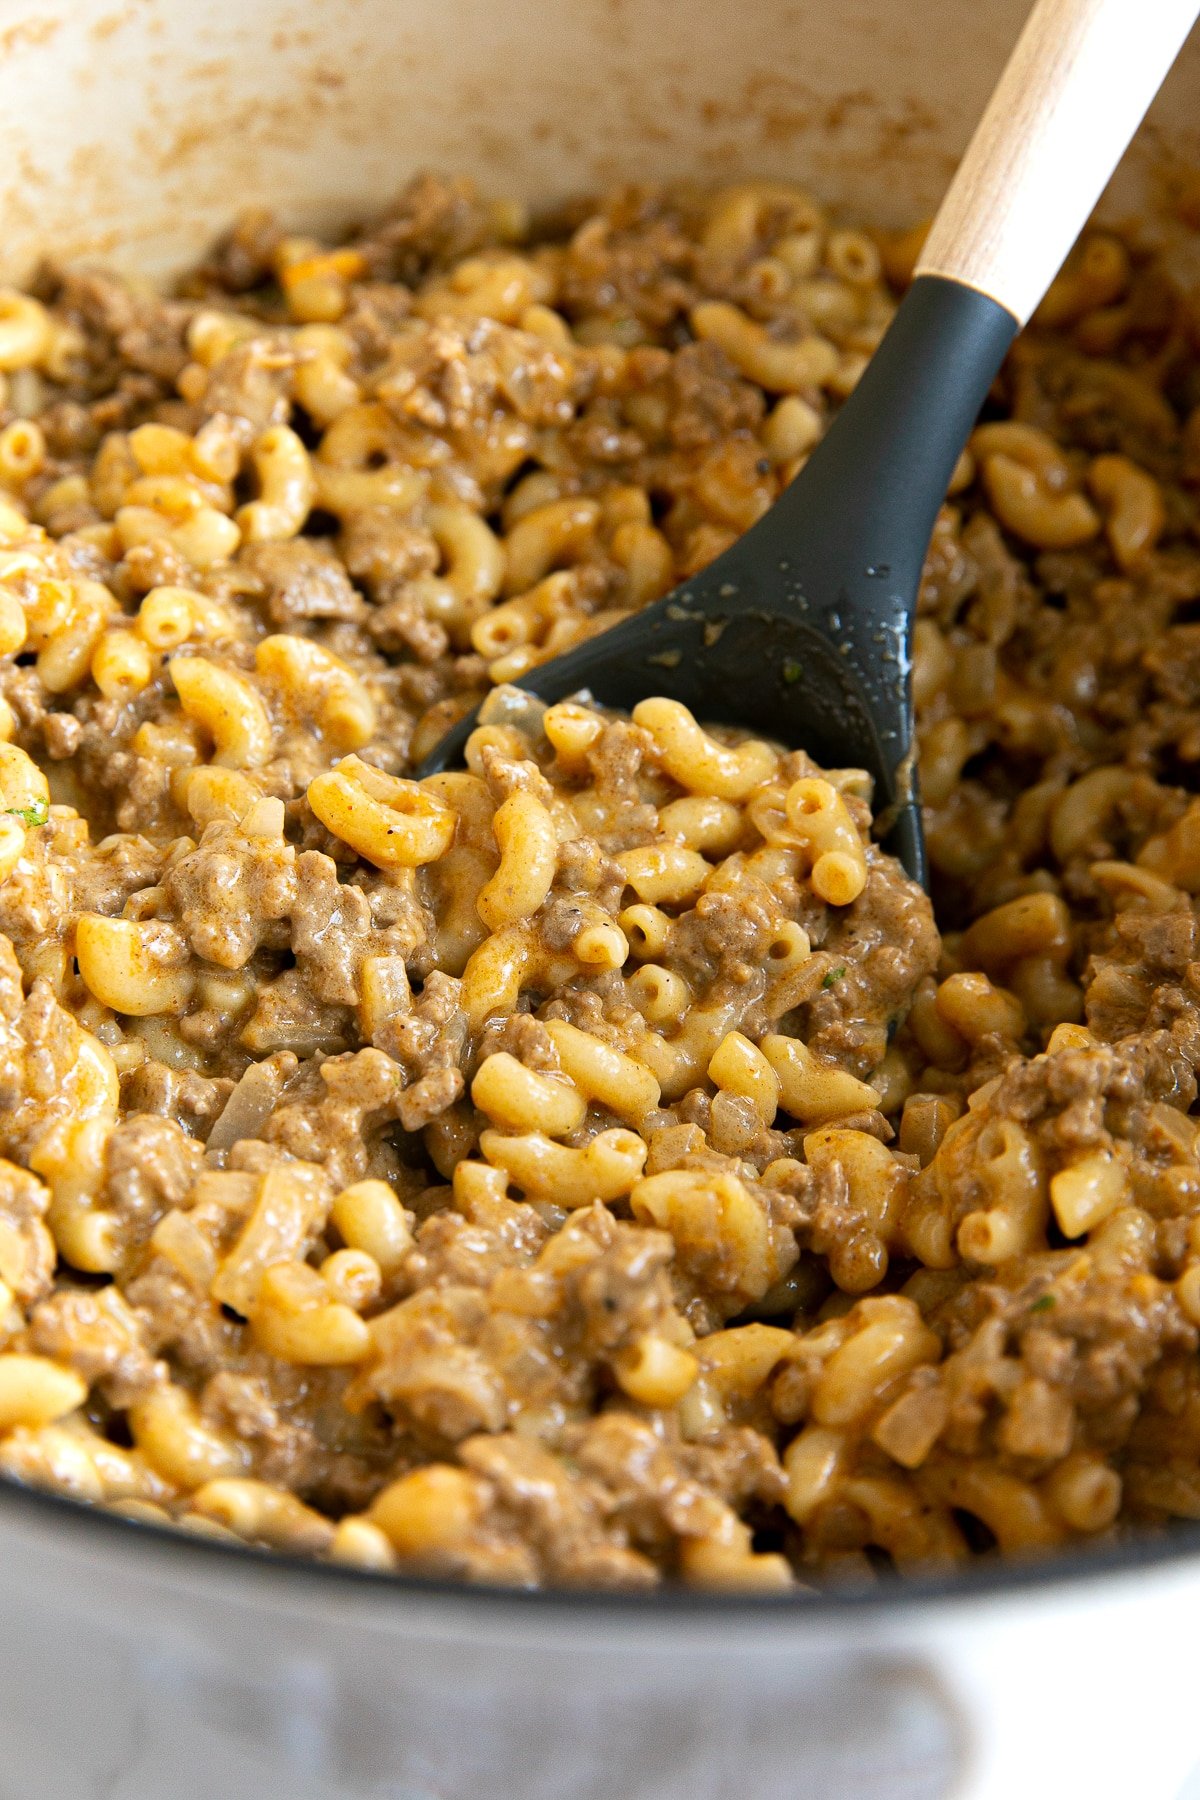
{"x":600,"y":1165}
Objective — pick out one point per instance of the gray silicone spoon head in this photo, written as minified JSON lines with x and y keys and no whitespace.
{"x":802,"y":630}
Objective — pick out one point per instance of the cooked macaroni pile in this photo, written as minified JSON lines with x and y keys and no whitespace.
{"x":591,"y":1166}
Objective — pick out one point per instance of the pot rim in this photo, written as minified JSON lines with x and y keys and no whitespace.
{"x":292,"y":1577}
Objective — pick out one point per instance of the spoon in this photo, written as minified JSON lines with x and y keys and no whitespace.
{"x":801,"y":631}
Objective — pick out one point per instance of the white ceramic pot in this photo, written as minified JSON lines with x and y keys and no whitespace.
{"x":137,"y":1666}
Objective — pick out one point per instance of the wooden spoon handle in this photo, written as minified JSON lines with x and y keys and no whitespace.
{"x":1071,"y":96}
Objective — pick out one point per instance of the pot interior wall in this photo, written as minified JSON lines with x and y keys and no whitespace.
{"x":132,"y":129}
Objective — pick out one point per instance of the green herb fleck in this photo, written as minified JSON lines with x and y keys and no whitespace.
{"x":833,"y":976}
{"x":792,"y":670}
{"x":1044,"y":1304}
{"x":30,"y":816}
